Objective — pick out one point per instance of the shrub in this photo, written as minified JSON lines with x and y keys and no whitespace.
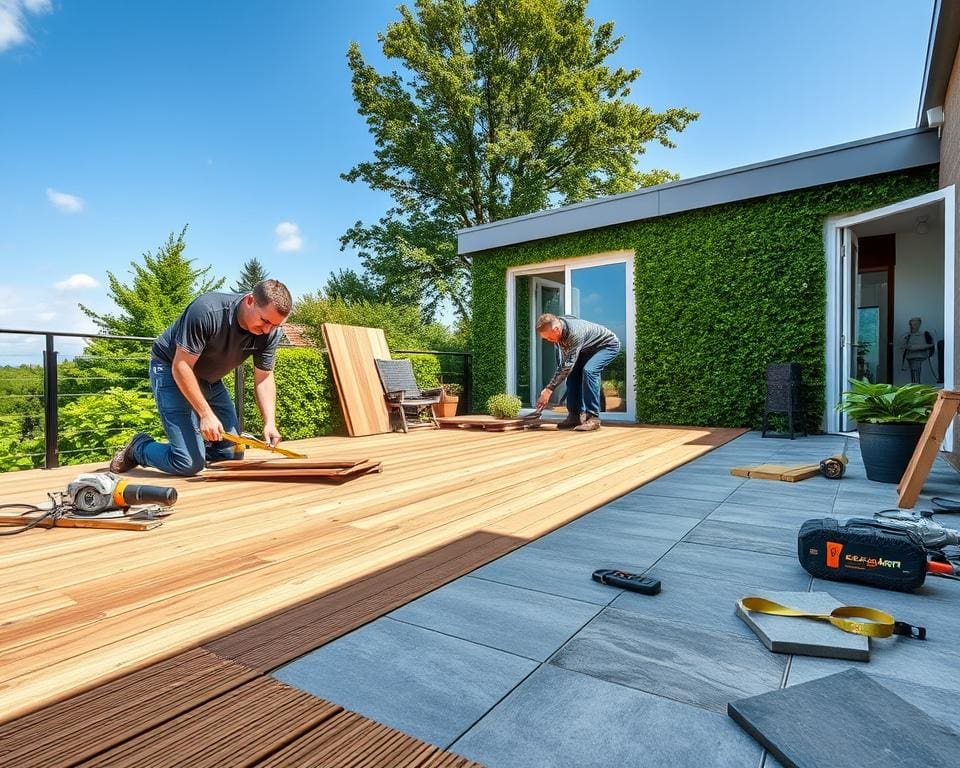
{"x":306,"y":397}
{"x":504,"y":406}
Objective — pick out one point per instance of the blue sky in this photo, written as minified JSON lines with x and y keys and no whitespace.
{"x":122,"y":121}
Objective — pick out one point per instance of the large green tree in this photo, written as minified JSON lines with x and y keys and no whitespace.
{"x":162,"y":286}
{"x":498,"y":108}
{"x":252,"y":274}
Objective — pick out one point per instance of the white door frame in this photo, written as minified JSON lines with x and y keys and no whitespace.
{"x":835,"y":293}
{"x":629,"y":344}
{"x":536,"y":283}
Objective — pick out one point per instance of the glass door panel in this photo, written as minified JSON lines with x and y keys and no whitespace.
{"x":599,"y":294}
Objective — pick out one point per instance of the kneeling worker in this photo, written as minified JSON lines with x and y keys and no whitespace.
{"x":585,"y":349}
{"x":214,"y":335}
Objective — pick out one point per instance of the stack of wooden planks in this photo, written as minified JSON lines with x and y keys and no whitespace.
{"x":291,"y":469}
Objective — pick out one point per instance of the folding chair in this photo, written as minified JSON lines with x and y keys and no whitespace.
{"x":404,"y":396}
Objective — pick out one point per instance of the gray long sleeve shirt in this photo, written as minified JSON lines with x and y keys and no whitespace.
{"x":579,"y":336}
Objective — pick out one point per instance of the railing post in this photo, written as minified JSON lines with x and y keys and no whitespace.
{"x":239,"y":394}
{"x":468,"y":381}
{"x":50,"y":425}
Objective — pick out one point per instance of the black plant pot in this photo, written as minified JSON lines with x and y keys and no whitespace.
{"x":887,"y":448}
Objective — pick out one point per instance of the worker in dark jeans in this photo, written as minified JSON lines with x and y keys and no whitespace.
{"x":585,"y":349}
{"x":213,"y":336}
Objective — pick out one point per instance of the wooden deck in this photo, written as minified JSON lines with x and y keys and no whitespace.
{"x":83,"y":607}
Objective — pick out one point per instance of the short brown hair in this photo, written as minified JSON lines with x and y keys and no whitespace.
{"x":546,"y":321}
{"x":273,"y":292}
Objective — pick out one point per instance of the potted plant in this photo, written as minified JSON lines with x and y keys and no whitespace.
{"x":503,"y":406}
{"x":890,"y":420}
{"x":449,"y":400}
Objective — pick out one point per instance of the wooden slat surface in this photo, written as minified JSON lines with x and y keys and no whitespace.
{"x":88,"y":606}
{"x":352,"y":351}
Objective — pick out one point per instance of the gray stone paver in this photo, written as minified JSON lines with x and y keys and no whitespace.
{"x":613,"y":679}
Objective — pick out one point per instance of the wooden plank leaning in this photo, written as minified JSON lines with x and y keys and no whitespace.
{"x":924,"y":454}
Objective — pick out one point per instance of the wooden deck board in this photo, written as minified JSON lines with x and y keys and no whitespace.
{"x":88,"y":606}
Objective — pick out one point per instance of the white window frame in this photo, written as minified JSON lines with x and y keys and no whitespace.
{"x":566,"y":266}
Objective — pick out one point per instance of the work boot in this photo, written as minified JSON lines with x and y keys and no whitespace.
{"x":590,"y":424}
{"x":123,"y":460}
{"x":571,"y":422}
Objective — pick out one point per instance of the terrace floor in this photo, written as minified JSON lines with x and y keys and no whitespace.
{"x":521,"y":661}
{"x":81,"y":607}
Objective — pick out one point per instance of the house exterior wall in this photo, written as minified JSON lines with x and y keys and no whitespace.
{"x":721,"y":293}
{"x":950,"y":174}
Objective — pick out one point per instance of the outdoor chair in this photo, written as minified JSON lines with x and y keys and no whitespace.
{"x":404,"y":398}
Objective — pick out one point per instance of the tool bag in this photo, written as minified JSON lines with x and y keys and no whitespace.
{"x":862,"y":550}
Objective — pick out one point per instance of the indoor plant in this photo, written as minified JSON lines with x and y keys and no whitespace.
{"x":890,"y":420}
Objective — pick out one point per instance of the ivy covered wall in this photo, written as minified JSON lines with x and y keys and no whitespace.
{"x":721,"y":293}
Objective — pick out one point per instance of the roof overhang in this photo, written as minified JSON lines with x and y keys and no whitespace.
{"x":941,"y":52}
{"x":892,"y":152}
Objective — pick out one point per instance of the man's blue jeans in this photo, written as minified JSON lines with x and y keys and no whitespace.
{"x":583,"y":383}
{"x":185,"y":453}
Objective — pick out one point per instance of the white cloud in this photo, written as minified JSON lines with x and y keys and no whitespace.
{"x":64,"y":202}
{"x":46,"y":315}
{"x":13,"y":22}
{"x":289,"y":237}
{"x":76,"y":282}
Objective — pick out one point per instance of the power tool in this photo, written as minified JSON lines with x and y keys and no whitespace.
{"x":105,"y":494}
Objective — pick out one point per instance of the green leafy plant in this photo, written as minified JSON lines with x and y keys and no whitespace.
{"x":887,"y":403}
{"x":452,"y":390}
{"x":502,"y":406}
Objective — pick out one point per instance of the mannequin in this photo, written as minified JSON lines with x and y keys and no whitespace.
{"x":917,"y":347}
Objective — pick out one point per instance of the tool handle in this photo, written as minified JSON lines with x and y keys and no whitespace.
{"x":149,"y":494}
{"x":935,"y":567}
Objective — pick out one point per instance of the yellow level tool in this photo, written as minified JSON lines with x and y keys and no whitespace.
{"x":248,"y":441}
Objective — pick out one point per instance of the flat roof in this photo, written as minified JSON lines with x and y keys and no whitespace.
{"x":912,"y":148}
{"x":941,"y":52}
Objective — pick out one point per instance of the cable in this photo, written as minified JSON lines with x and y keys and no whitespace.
{"x":55,"y":512}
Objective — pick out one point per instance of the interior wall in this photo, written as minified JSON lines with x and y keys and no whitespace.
{"x":918,"y":292}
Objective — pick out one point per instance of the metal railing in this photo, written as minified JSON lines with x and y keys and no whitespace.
{"x":51,"y":393}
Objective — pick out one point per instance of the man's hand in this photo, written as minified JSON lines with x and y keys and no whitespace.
{"x":211,"y":428}
{"x":544,"y":398}
{"x":271,"y":436}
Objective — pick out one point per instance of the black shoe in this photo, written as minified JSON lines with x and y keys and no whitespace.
{"x":571,"y":422}
{"x":590,"y":424}
{"x":123,"y":460}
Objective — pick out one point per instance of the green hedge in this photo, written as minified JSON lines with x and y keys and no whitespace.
{"x":721,"y":293}
{"x":307,"y":404}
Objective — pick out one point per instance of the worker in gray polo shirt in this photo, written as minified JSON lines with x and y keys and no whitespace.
{"x":585,"y":349}
{"x":213,"y":336}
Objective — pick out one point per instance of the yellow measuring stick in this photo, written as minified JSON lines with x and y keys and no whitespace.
{"x":251,"y":442}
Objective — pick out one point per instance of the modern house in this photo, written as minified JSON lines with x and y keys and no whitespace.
{"x":820,"y":258}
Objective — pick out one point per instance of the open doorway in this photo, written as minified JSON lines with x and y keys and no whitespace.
{"x":890,"y":281}
{"x":599,"y":289}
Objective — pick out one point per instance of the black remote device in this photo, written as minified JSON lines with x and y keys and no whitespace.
{"x":632,"y":581}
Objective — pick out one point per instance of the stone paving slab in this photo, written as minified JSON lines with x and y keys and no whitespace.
{"x":421,"y":682}
{"x":611,"y":523}
{"x":752,"y":538}
{"x":662,"y":505}
{"x":678,"y":661}
{"x":561,"y":719}
{"x":512,"y":619}
{"x":546,"y":571}
{"x":776,"y":571}
{"x":699,"y":600}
